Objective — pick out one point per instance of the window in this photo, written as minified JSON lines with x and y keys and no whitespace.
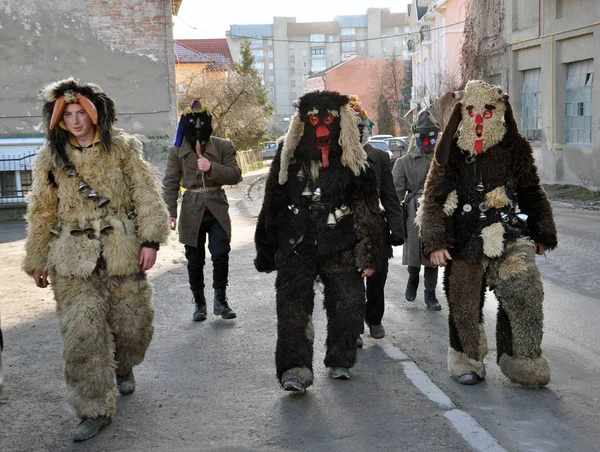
{"x":304,"y":65}
{"x":578,"y":107}
{"x":330,"y":51}
{"x":348,"y":32}
{"x":361,"y":32}
{"x":531,"y":115}
{"x":292,"y":71}
{"x":317,"y":51}
{"x":292,"y":59}
{"x":256,"y":42}
{"x":425,"y":33}
{"x":270,"y":66}
{"x":271,"y":78}
{"x":291,"y":46}
{"x":384,"y":49}
{"x":362,"y":44}
{"x":26,"y":181}
{"x":317,"y":38}
{"x":305,"y":53}
{"x":318,"y":64}
{"x":350,"y":45}
{"x":8,"y":183}
{"x":269,"y":42}
{"x":396,"y":30}
{"x":330,"y":63}
{"x":270,"y":54}
{"x":303,"y":39}
{"x":259,"y":65}
{"x":257,"y":53}
{"x":272,"y":90}
{"x":293,"y":83}
{"x":330,"y":38}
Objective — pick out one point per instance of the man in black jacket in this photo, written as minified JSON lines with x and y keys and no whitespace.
{"x":392,"y":226}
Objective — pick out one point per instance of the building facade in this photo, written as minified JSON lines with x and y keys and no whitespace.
{"x":546,"y":54}
{"x":288,"y":52}
{"x":437,"y":27}
{"x":125,"y":46}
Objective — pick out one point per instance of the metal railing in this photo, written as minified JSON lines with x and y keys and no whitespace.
{"x":15,"y":177}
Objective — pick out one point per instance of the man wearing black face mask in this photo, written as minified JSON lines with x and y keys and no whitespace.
{"x":202,"y":164}
{"x":409,"y":174}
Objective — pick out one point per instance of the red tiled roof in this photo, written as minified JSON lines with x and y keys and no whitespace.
{"x":215,"y":49}
{"x":186,"y":55}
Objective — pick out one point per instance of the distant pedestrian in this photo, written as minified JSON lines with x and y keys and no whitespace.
{"x":409,"y":174}
{"x":392,"y":223}
{"x":202,"y":164}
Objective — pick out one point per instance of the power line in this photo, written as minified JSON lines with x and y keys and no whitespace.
{"x":349,"y":40}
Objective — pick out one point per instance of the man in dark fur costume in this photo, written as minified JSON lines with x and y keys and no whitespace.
{"x":320,"y":217}
{"x":484,"y":215}
{"x":202,"y":164}
{"x":95,"y":220}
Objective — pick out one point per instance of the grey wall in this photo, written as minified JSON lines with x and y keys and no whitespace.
{"x":125,"y":46}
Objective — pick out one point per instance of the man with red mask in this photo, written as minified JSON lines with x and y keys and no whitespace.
{"x":202,"y":164}
{"x":483,"y":217}
{"x":409,"y":174}
{"x":320,"y":217}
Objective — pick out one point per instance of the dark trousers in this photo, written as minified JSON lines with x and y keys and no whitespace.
{"x":431,"y":276}
{"x":218,"y":245}
{"x":376,"y":294}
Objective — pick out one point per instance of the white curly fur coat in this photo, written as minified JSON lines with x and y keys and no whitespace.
{"x":122,"y":176}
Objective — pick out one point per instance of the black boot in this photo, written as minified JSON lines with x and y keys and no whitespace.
{"x":431,"y":275}
{"x":200,"y":311}
{"x":413,"y":283}
{"x":220,"y":305}
{"x":431,"y":301}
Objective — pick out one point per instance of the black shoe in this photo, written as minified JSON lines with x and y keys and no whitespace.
{"x":468,"y":379}
{"x":291,"y":384}
{"x":126,"y":384}
{"x":340,"y":373}
{"x":221,"y":307}
{"x":88,"y":428}
{"x":431,"y":301}
{"x":376,"y":331}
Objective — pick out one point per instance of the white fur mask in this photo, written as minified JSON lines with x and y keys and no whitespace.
{"x":482,"y":124}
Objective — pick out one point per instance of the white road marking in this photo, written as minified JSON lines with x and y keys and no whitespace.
{"x":466,"y":426}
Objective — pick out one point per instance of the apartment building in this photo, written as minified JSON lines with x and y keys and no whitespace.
{"x":437,"y":27}
{"x":288,"y":52}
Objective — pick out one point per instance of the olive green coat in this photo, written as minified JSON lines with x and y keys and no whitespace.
{"x":410,"y":172}
{"x":182,"y":170}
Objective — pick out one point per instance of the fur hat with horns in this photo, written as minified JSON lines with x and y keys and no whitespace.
{"x":99,"y":107}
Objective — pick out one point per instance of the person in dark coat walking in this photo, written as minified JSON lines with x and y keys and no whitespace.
{"x":392,"y":225}
{"x":409,"y":175}
{"x":202,"y":164}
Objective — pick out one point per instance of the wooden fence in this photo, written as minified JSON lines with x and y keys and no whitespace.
{"x":249,"y":160}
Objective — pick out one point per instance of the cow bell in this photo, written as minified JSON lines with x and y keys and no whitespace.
{"x":341,"y":212}
{"x":307,"y":191}
{"x":331,"y":220}
{"x":316,"y":197}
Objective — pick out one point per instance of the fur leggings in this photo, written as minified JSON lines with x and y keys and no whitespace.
{"x":344,"y":296}
{"x":106,"y":324}
{"x":517,"y":284}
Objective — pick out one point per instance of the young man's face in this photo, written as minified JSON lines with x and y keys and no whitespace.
{"x":78,"y":122}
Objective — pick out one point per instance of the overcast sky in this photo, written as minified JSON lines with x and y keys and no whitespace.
{"x":200,"y":19}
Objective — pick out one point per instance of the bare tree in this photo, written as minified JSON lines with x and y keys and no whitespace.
{"x":390,"y":86}
{"x":238,"y":103}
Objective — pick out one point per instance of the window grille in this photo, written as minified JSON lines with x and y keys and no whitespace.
{"x":531,"y":111}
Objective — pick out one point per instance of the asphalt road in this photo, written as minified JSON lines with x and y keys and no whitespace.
{"x":211,"y":386}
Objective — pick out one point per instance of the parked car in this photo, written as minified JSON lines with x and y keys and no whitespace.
{"x":382,"y":144}
{"x":381,"y":137}
{"x":398,"y":146}
{"x":269,"y":150}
